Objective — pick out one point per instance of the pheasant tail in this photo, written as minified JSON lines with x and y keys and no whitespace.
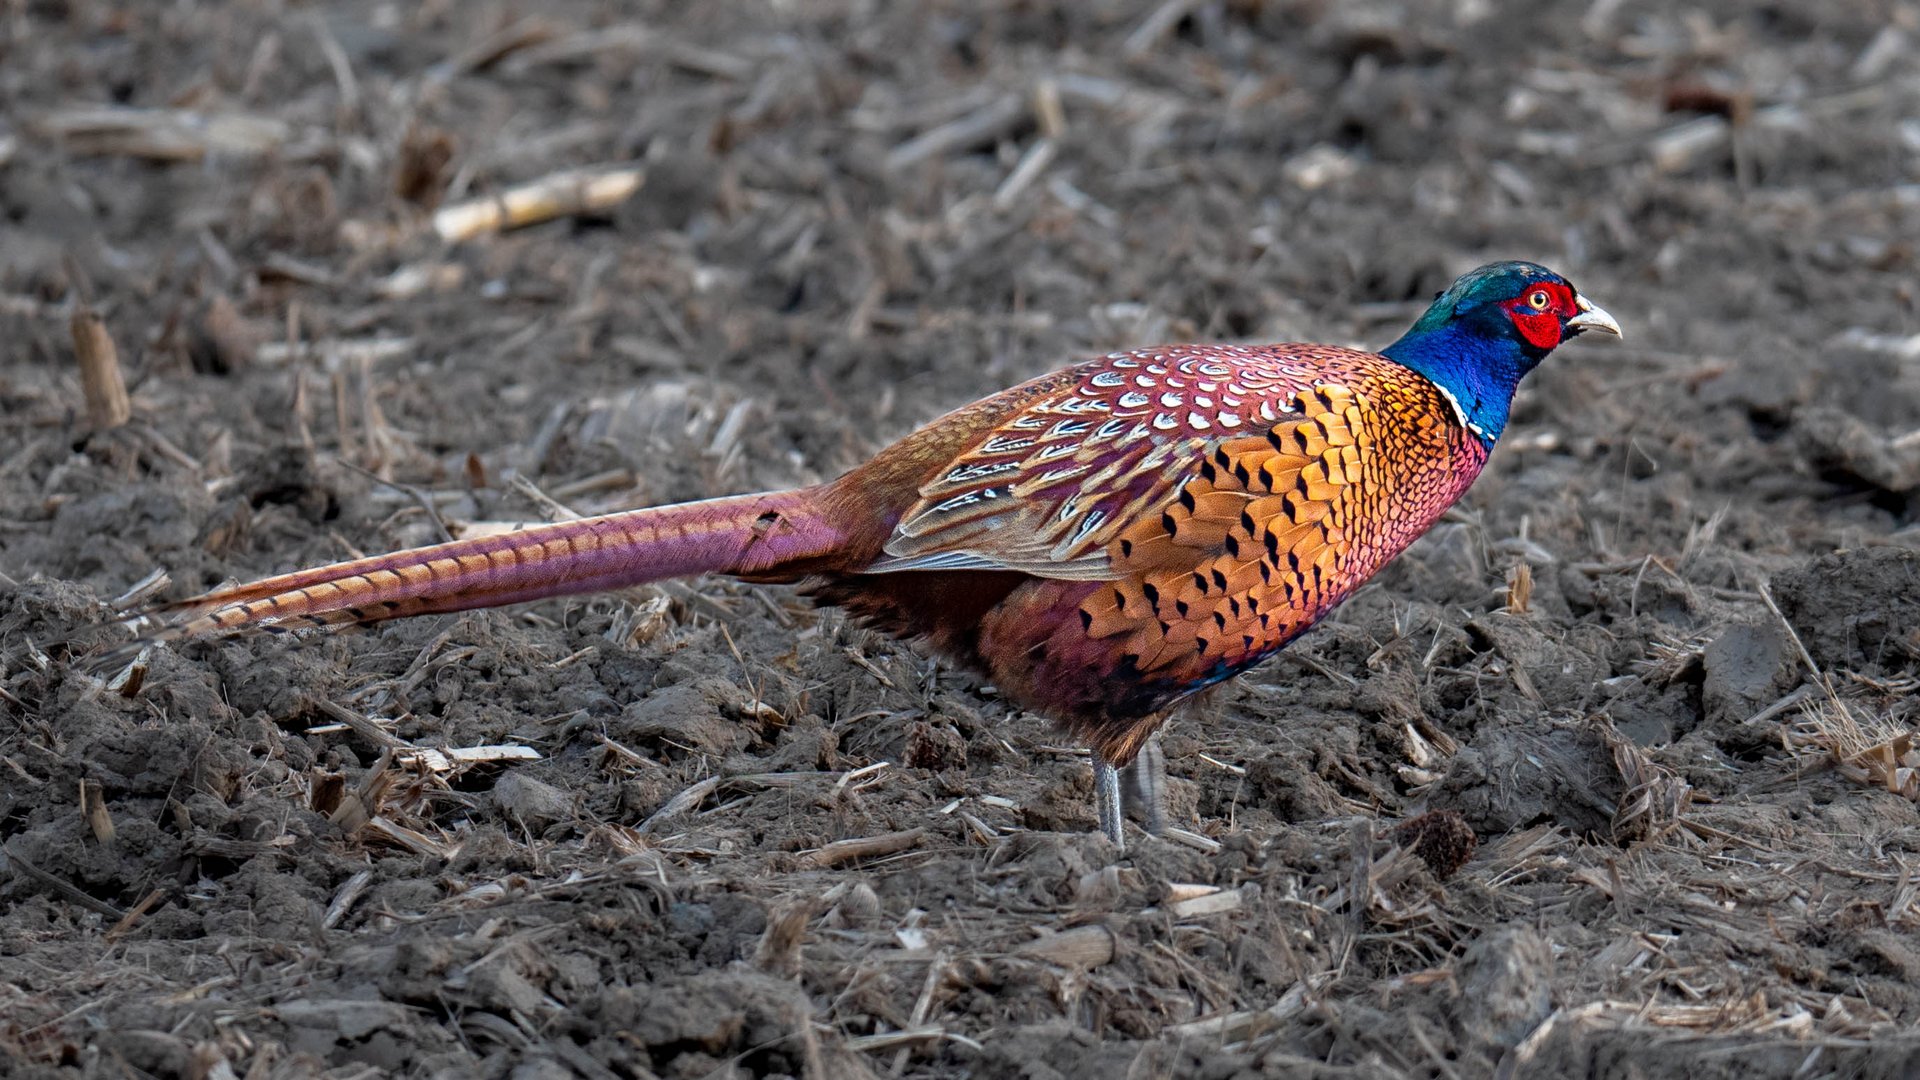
{"x":769,"y":536}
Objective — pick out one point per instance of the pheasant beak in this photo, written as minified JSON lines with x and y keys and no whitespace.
{"x":1592,"y":317}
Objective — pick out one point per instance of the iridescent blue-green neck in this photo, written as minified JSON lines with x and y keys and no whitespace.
{"x":1479,"y":373}
{"x":1466,"y":345}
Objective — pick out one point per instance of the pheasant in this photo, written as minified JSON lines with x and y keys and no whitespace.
{"x":1102,"y":543}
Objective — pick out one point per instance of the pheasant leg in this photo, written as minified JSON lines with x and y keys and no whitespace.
{"x":1145,"y":787}
{"x":1107,"y":803}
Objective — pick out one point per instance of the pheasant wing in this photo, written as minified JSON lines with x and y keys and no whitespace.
{"x":1122,"y":473}
{"x":1046,"y":494}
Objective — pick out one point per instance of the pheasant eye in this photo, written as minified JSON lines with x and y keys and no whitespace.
{"x":1538,"y":299}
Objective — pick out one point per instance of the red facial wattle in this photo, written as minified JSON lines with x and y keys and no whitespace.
{"x":1542,"y":327}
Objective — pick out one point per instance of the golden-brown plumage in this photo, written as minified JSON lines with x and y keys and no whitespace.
{"x":1102,"y":542}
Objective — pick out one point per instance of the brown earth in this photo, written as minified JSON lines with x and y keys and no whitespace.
{"x":1685,"y":754}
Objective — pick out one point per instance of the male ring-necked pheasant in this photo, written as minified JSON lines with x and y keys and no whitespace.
{"x":1102,"y":542}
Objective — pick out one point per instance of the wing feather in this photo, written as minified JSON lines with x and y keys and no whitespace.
{"x":1127,"y":469}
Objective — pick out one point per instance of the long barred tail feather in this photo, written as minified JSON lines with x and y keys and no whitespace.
{"x":756,"y":535}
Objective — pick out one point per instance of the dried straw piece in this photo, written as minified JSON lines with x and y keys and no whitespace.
{"x":128,"y":683}
{"x":100,"y":379}
{"x":1047,"y":110}
{"x":1656,"y":799}
{"x":1749,"y":1015}
{"x":575,"y":191}
{"x":1231,"y":1026}
{"x":887,"y":1040}
{"x":1083,"y":947}
{"x":134,"y":915}
{"x":1213,"y":903}
{"x":362,"y":803}
{"x":334,"y":352}
{"x":987,"y":123}
{"x":410,"y":281}
{"x":779,"y":951}
{"x":1155,"y":26}
{"x":681,"y":803}
{"x":402,"y":837}
{"x":93,"y":804}
{"x":1878,"y":752}
{"x":73,"y":894}
{"x":1180,"y":891}
{"x":865,"y":847}
{"x":1194,"y":840}
{"x":457,"y":757}
{"x":141,"y":591}
{"x":345,"y":897}
{"x":161,"y":134}
{"x":633,"y":38}
{"x":490,"y":50}
{"x":363,"y":726}
{"x":1680,"y":147}
{"x":1520,"y":588}
{"x":1033,"y":163}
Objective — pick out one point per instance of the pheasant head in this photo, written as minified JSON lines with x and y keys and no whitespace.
{"x":1491,"y":327}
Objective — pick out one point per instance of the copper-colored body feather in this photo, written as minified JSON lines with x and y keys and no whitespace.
{"x":1149,"y":524}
